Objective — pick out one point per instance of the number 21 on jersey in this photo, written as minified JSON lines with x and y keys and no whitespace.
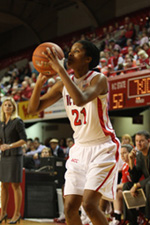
{"x":76,"y":113}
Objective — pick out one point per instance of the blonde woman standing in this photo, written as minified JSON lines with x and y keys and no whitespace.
{"x":12,"y":136}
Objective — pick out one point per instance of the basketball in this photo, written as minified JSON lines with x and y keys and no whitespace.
{"x":40,"y":62}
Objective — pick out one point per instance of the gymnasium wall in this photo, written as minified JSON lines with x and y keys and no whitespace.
{"x":48,"y":130}
{"x":127,"y":6}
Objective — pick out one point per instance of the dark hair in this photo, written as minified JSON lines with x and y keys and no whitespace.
{"x":127,"y":146}
{"x":145,"y":133}
{"x":92,"y":51}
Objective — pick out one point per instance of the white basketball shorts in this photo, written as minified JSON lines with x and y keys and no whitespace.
{"x":93,"y":168}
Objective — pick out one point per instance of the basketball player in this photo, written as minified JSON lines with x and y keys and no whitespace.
{"x":92,"y":164}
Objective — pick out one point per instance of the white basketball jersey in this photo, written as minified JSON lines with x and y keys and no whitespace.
{"x":91,"y":123}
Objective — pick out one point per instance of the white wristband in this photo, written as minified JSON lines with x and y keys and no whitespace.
{"x":10,"y":145}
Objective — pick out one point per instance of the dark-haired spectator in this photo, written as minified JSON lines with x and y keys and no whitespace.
{"x":69,"y":143}
{"x":129,"y":64}
{"x":38,"y":146}
{"x":118,"y":202}
{"x":130,"y":32}
{"x":121,"y":41}
{"x":116,"y":59}
{"x":28,"y":161}
{"x":62,"y":143}
{"x":32,"y":149}
{"x":56,"y":150}
{"x":142,"y":167}
{"x":113,"y":45}
{"x":144,"y":38}
{"x":146,"y":48}
{"x":124,"y":50}
{"x":35,"y":151}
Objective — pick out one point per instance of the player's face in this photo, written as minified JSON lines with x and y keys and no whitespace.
{"x":124,"y":154}
{"x":8,"y":107}
{"x":141,"y":142}
{"x":77,"y":56}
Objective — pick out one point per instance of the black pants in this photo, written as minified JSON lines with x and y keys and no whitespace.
{"x":131,"y":214}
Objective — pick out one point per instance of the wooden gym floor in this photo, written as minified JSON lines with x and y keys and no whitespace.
{"x":28,"y":222}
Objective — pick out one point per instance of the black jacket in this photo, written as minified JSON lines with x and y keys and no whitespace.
{"x":12,"y":132}
{"x":140,"y":169}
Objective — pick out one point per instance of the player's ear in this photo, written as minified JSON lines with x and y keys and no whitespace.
{"x":89,"y":59}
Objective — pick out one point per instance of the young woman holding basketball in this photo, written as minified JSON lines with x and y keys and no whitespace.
{"x":92,"y":165}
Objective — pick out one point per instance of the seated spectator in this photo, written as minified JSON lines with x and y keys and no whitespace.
{"x":46,"y":152}
{"x":38,"y":146}
{"x":107,"y":55}
{"x":35,"y":152}
{"x":104,"y":33}
{"x":144,"y":38}
{"x":111,"y":72}
{"x":6,"y":79}
{"x":146,"y":48}
{"x":29,"y":141}
{"x":124,"y":50}
{"x":28,"y":161}
{"x":142,"y":167}
{"x":121,"y":41}
{"x":26,"y":91}
{"x":130,"y":32}
{"x":45,"y":165}
{"x":32,"y":148}
{"x":113,"y":45}
{"x":70,"y":143}
{"x":103,"y":66}
{"x":143,"y":59}
{"x":62,"y":143}
{"x":126,"y":139}
{"x":16,"y":94}
{"x":118,"y":202}
{"x":56,"y":150}
{"x":129,"y":64}
{"x":33,"y":77}
{"x":116,"y":59}
{"x":132,"y":53}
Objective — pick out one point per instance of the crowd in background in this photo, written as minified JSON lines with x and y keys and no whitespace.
{"x":123,"y":49}
{"x":140,"y":142}
{"x":34,"y":150}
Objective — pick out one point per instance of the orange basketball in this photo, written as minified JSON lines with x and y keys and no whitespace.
{"x":40,"y":62}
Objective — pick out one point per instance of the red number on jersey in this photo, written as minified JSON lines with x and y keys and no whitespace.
{"x":77,"y":121}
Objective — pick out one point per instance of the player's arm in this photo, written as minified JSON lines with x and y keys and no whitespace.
{"x":38,"y":103}
{"x":99,"y":85}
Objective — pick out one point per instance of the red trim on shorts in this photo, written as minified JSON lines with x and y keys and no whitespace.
{"x":106,"y":179}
